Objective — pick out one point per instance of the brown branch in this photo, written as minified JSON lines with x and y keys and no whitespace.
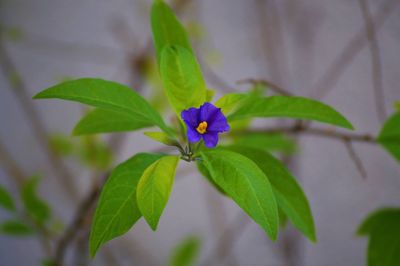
{"x":19,"y":88}
{"x":328,"y":80}
{"x":276,"y":88}
{"x":377,"y":79}
{"x":355,"y":158}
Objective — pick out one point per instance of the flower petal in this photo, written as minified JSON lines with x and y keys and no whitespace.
{"x":191,"y":117}
{"x":210,"y":139}
{"x":207,"y":111}
{"x":193,"y":135}
{"x":218,"y":122}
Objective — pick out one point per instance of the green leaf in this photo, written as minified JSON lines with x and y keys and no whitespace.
{"x":167,"y":30}
{"x":61,"y":144}
{"x":397,"y":106}
{"x":248,"y":186}
{"x":34,"y":205}
{"x":268,"y":142}
{"x":95,"y":153}
{"x":203,"y":170}
{"x":106,"y":121}
{"x":6,"y":201}
{"x":162,"y":138}
{"x":182,"y":78}
{"x":186,"y":253}
{"x":15,"y":228}
{"x":289,"y":195}
{"x":383,"y":229}
{"x":154,"y":188}
{"x":389,"y":137}
{"x":106,"y":95}
{"x":231,"y":101}
{"x":291,"y":107}
{"x":209,"y":95}
{"x":117,"y":209}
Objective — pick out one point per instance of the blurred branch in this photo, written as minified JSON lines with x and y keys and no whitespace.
{"x":272,"y":86}
{"x":355,"y":158}
{"x":328,"y":80}
{"x":377,"y":79}
{"x":20,"y":90}
{"x":12,"y":168}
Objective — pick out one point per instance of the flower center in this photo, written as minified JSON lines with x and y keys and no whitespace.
{"x":202,"y":127}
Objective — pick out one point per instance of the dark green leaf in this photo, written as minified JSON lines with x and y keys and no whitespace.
{"x":389,"y":137}
{"x":167,"y":30}
{"x":15,"y":228}
{"x":291,"y":107}
{"x":289,"y":195}
{"x":34,"y":205}
{"x":106,"y":95}
{"x":154,"y":188}
{"x":248,"y":186}
{"x":106,"y":121}
{"x":117,"y":209}
{"x":383,"y":229}
{"x":6,"y":201}
{"x":186,"y":253}
{"x":182,"y":78}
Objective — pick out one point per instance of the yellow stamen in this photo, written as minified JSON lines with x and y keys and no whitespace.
{"x":202,"y":127}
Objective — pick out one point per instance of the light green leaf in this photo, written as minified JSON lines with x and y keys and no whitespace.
{"x":209,"y":95}
{"x":389,"y":137}
{"x":203,"y":170}
{"x":269,"y":142}
{"x":6,"y":201}
{"x":289,"y":195}
{"x":291,"y":107}
{"x":15,"y":228}
{"x":117,"y":209}
{"x":35,"y":206}
{"x":106,"y":95}
{"x":162,"y":138}
{"x":94,"y":152}
{"x":231,"y":101}
{"x":167,"y":30}
{"x":182,"y":78}
{"x":383,"y":229}
{"x":154,"y":188}
{"x":61,"y":144}
{"x":186,"y":253}
{"x":248,"y":186}
{"x":397,"y":106}
{"x":106,"y":121}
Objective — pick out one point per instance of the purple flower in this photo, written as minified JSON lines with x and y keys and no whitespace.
{"x":205,"y":122}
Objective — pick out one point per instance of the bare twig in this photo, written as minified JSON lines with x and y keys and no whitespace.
{"x":356,"y":159}
{"x":12,"y":168}
{"x":276,"y":88}
{"x":377,"y":79}
{"x":328,"y":80}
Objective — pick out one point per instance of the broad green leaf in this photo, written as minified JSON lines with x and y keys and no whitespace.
{"x":248,"y":186}
{"x":162,"y":138}
{"x":35,"y":206}
{"x":291,"y":107}
{"x":106,"y":95}
{"x":154,"y":188}
{"x":15,"y":228}
{"x":203,"y":170}
{"x":186,"y":253}
{"x":289,"y":195}
{"x":397,"y":106}
{"x":383,"y":229}
{"x":231,"y":101}
{"x":182,"y":78}
{"x":117,"y":209}
{"x":6,"y":201}
{"x":269,"y":142}
{"x":106,"y":121}
{"x":167,"y":30}
{"x":389,"y":137}
{"x":209,"y":95}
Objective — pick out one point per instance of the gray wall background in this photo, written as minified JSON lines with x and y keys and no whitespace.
{"x":300,"y":41}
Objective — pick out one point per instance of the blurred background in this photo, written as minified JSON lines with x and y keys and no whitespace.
{"x":344,"y":52}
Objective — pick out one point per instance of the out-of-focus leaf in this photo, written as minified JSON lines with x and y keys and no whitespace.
{"x":203,"y":170}
{"x":15,"y":228}
{"x":269,"y":142}
{"x":162,"y":138}
{"x":209,"y":95}
{"x":117,"y":209}
{"x":383,"y":230}
{"x":291,"y":107}
{"x":231,"y":101}
{"x":154,"y":188}
{"x":61,"y":144}
{"x":167,"y":30}
{"x":289,"y":195}
{"x":389,"y":137}
{"x":34,"y":205}
{"x":246,"y":184}
{"x":182,"y":78}
{"x":186,"y":253}
{"x":106,"y":121}
{"x":6,"y":201}
{"x":95,"y":153}
{"x":106,"y":95}
{"x":397,"y":106}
